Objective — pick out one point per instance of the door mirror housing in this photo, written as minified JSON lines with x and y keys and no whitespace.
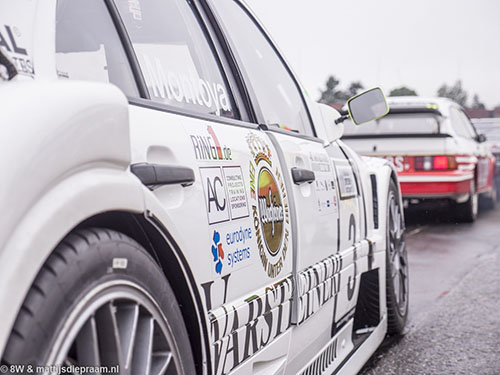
{"x":368,"y":106}
{"x":481,"y":138}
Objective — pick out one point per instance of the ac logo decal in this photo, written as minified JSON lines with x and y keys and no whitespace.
{"x":225,"y":193}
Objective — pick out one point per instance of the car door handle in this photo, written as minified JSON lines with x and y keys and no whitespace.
{"x":160,"y":174}
{"x":301,"y":175}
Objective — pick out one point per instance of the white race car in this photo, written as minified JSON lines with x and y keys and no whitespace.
{"x":206,"y":222}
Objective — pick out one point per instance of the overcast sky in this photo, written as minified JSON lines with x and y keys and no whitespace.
{"x":389,"y":43}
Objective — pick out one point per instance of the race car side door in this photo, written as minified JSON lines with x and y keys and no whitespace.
{"x":310,"y":177}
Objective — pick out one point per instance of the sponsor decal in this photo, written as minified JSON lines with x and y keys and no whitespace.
{"x":238,"y":205}
{"x":270,"y":210}
{"x":240,"y":329}
{"x":134,"y":8}
{"x":9,"y":40}
{"x":225,"y":193}
{"x":319,"y":162}
{"x":182,"y":84}
{"x":318,"y":284}
{"x":230,"y":251}
{"x":324,"y":359}
{"x":215,"y":194}
{"x":217,"y":252}
{"x":269,"y":207}
{"x":346,"y":182}
{"x":324,"y":184}
{"x":208,"y":147}
{"x":240,"y":255}
{"x":351,"y":282}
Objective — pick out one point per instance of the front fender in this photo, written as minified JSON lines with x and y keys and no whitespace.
{"x":384,"y":171}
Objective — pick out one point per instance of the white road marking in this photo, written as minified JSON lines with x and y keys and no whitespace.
{"x":415,"y":231}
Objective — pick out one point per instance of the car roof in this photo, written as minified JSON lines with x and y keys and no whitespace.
{"x":418,"y":102}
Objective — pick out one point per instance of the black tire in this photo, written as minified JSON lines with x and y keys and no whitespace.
{"x":105,"y":283}
{"x":467,"y":211}
{"x":490,"y":201}
{"x":397,"y":291}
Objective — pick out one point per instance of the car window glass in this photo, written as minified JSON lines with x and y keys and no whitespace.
{"x":396,"y":123}
{"x":88,"y":47}
{"x":178,"y":64}
{"x":278,"y":96}
{"x":467,"y":125}
{"x":458,"y":123}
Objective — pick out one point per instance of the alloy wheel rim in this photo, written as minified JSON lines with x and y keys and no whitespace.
{"x":117,"y":324}
{"x":397,"y":254}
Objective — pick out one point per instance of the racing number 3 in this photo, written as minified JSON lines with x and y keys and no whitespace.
{"x":352,"y":279}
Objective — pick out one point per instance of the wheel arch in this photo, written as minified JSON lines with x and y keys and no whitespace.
{"x":106,"y":197}
{"x":151,"y":235}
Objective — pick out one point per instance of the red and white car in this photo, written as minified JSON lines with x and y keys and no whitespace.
{"x":490,"y":127}
{"x":436,"y":151}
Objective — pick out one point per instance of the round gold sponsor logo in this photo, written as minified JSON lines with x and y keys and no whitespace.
{"x":269,"y":205}
{"x":270,"y":211}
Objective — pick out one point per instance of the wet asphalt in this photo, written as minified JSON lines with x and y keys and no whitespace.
{"x":454,"y":321}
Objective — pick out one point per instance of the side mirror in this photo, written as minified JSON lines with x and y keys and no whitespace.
{"x":481,"y":138}
{"x":368,"y":106}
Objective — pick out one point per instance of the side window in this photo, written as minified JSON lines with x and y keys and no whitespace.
{"x":459,"y":124}
{"x":467,"y":125}
{"x":179,"y":66}
{"x":278,"y":95}
{"x":88,"y":46}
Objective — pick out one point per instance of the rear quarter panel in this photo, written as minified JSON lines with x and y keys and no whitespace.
{"x":64,"y":155}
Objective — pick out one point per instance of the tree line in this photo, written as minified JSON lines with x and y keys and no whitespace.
{"x":333,"y":94}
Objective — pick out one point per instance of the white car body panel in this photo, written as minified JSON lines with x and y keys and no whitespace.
{"x":63,"y":182}
{"x":62,"y":149}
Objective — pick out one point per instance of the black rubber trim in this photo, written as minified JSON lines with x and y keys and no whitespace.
{"x":159,"y":174}
{"x":337,"y":326}
{"x":392,"y":135}
{"x":367,"y":312}
{"x":190,"y":278}
{"x":301,"y":175}
{"x":217,"y":56}
{"x":129,"y":51}
{"x":373,"y":179}
{"x":293,"y":133}
{"x":186,"y":113}
{"x":414,"y":110}
{"x":231,"y":61}
{"x":357,"y":344}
